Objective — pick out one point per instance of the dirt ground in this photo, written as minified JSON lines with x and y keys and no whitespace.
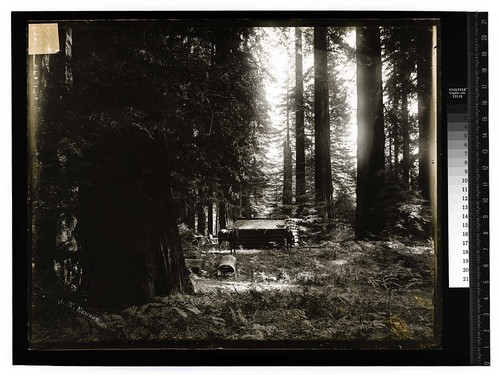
{"x":336,"y":291}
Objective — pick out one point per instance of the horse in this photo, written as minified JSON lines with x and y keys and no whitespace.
{"x":229,"y":235}
{"x":289,"y":239}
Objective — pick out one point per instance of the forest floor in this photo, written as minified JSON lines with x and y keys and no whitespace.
{"x":344,"y":291}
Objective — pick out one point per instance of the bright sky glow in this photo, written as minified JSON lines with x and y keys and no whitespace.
{"x":282,"y":67}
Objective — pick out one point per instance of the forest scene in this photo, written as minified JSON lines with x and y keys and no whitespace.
{"x":209,"y":184}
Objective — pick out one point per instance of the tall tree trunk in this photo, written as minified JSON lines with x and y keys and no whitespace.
{"x":43,"y":221}
{"x":287,"y":160}
{"x":405,"y":128}
{"x":200,"y":212}
{"x":287,"y":173}
{"x":222,"y":51}
{"x":404,"y":74}
{"x":300,"y":159}
{"x":171,"y":249}
{"x":131,"y":239}
{"x":68,"y":53}
{"x":47,"y":114}
{"x":210,"y":215}
{"x":222,"y":215}
{"x":322,"y":162}
{"x":370,"y":142}
{"x":191,"y":213}
{"x":424,"y":78}
{"x":391,"y":137}
{"x":133,"y":251}
{"x":217,"y":226}
{"x":222,"y":44}
{"x":396,"y":131}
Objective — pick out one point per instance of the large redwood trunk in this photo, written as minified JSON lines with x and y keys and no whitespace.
{"x":200,"y":212}
{"x":129,"y":237}
{"x":300,"y":159}
{"x":404,"y":74}
{"x":424,"y":80}
{"x":210,"y":216}
{"x":370,"y":142}
{"x":222,"y":215}
{"x":131,"y":251}
{"x":405,"y":128}
{"x":322,"y":161}
{"x":287,"y":173}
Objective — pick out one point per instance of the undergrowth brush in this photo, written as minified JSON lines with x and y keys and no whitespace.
{"x":342,"y":291}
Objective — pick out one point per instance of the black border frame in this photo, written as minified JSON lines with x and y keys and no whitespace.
{"x":455,"y":348}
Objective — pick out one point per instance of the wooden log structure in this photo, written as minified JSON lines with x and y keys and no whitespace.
{"x":258,"y":233}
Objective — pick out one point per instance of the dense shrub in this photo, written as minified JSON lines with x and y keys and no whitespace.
{"x":407,"y":214}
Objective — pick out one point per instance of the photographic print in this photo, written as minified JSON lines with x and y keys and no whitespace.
{"x":225,"y":183}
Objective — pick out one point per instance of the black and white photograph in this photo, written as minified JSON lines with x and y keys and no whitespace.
{"x":234,"y":183}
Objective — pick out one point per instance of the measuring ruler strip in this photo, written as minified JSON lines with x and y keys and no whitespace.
{"x":479,"y":190}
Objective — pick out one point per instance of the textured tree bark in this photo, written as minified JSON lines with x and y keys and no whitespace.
{"x":396,"y":132}
{"x":222,"y":45}
{"x":404,"y":73}
{"x":287,"y":173}
{"x":322,"y":162}
{"x":424,"y":80}
{"x":370,"y":141}
{"x":222,"y":215}
{"x":222,"y":51}
{"x":287,"y":159}
{"x":42,"y":221}
{"x":405,"y":128}
{"x":46,"y":113}
{"x":200,"y":212}
{"x":287,"y":163}
{"x":133,"y":256}
{"x":176,"y":272}
{"x":130,"y":243}
{"x":191,"y":214}
{"x":391,"y":138}
{"x":300,"y":159}
{"x":210,"y":215}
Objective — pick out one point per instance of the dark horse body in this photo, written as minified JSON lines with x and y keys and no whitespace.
{"x":229,"y":235}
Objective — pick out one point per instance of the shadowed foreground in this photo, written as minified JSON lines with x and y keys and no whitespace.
{"x":349,"y":290}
